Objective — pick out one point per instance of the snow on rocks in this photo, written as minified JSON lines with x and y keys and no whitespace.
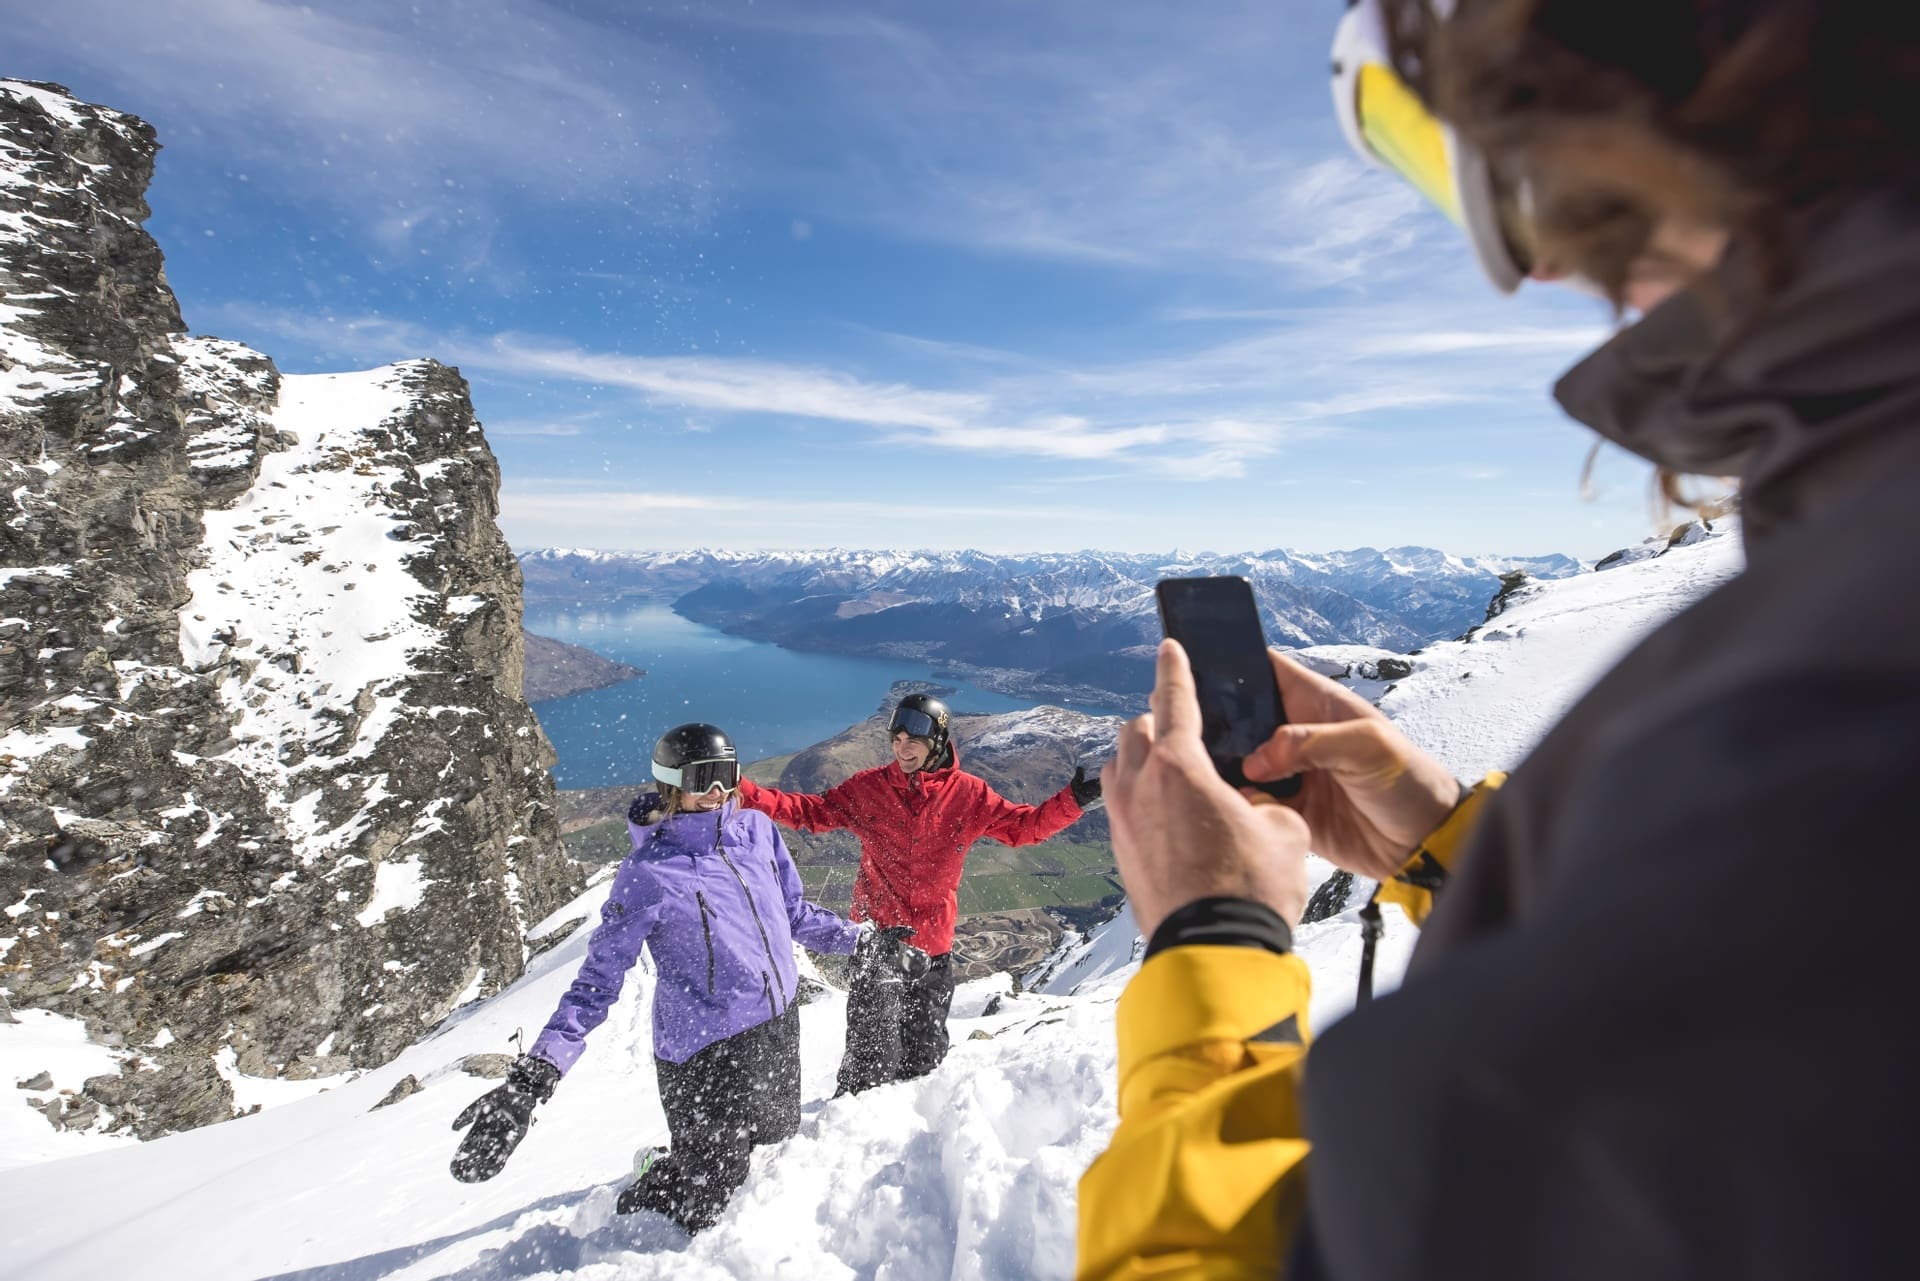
{"x":305,"y":603}
{"x":321,"y":765}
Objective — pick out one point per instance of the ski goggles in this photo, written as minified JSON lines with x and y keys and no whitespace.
{"x":696,"y":777}
{"x":1388,"y":125}
{"x":915,"y":722}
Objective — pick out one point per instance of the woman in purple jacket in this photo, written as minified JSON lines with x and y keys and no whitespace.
{"x":712,"y":893}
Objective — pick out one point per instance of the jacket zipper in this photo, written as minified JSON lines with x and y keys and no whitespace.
{"x":766,"y":990}
{"x":753,"y":907}
{"x":706,"y":932}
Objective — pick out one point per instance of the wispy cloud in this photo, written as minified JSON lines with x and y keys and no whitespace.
{"x":1082,"y":130}
{"x":416,"y":120}
{"x":1199,"y":414}
{"x":1572,"y":339}
{"x":1014,"y":417}
{"x":733,"y":385}
{"x":536,"y":514}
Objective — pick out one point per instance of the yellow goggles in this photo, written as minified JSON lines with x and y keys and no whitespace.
{"x":1387,"y":124}
{"x":1400,"y":132}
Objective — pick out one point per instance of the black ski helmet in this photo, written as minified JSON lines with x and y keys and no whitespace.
{"x":922,"y":716}
{"x":695,"y":756}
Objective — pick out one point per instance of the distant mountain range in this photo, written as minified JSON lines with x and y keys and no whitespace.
{"x":1064,"y":625}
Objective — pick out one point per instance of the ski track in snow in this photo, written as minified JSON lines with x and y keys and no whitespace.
{"x":968,"y":1174}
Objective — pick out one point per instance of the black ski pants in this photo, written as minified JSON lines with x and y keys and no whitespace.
{"x":722,"y":1103}
{"x":896,"y":1027}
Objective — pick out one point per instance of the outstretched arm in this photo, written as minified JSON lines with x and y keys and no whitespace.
{"x":1014,"y":824}
{"x":629,"y":916}
{"x":796,"y":809}
{"x":814,"y":927}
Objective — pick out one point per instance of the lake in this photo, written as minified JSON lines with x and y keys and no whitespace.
{"x":771,"y":700}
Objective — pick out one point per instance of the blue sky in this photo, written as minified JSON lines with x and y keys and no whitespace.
{"x":1008,"y":275}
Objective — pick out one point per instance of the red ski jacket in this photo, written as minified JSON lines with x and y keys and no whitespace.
{"x":915,"y":831}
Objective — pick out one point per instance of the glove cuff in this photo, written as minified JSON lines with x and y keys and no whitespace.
{"x":531,"y":1074}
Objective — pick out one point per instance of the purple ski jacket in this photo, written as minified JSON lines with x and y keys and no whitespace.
{"x":717,"y":900}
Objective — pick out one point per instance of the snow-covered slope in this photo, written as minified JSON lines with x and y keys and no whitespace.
{"x":968,"y":1173}
{"x":1481,"y":703}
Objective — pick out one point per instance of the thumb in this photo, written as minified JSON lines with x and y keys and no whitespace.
{"x":1079,"y":775}
{"x":1352,"y":749}
{"x":470,"y":1113}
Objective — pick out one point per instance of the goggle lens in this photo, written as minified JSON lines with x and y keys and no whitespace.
{"x":703,"y":776}
{"x":915,"y":722}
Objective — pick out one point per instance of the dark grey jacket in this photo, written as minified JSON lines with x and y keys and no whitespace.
{"x":1663,"y":1022}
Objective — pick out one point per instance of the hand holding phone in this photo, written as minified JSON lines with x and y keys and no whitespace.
{"x":1215,"y":621}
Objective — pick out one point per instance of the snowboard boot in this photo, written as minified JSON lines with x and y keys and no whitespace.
{"x":631,"y":1197}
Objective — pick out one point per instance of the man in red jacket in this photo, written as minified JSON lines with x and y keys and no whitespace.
{"x":916,"y":819}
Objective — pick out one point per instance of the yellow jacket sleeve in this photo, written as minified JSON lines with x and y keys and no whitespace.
{"x":1205,"y":1176}
{"x":1416,"y":883}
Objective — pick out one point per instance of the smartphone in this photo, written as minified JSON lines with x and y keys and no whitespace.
{"x":1215,"y":621}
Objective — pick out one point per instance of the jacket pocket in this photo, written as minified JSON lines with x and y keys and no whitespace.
{"x":706,"y":934}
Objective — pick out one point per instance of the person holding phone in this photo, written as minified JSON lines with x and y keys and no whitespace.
{"x":712,"y":894}
{"x":1625,"y":1046}
{"x":917,"y":819}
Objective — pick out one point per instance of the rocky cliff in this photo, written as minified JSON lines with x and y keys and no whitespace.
{"x":271,"y":801}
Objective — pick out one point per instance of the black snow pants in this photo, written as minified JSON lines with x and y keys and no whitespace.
{"x":896,"y":1027}
{"x":722,"y":1103}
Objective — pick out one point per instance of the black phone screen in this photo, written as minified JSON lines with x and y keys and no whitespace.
{"x":1215,"y":621}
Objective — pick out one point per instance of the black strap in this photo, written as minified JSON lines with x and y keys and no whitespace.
{"x":1371,"y":928}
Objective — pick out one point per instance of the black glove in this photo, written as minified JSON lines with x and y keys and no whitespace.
{"x":500,"y":1118}
{"x":886,"y":951}
{"x":1085,"y":790}
{"x":914,"y":963}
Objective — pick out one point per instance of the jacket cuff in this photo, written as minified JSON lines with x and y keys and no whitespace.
{"x":534,"y":1074}
{"x":1190,"y":995}
{"x":1223,"y":922}
{"x":1425,"y":874}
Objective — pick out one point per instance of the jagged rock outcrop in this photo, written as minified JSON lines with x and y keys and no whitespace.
{"x":271,"y":801}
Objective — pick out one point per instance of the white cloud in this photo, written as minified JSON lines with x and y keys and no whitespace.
{"x":1199,"y":414}
{"x":734,"y":385}
{"x":1571,"y":340}
{"x":548,"y":515}
{"x":413,"y":119}
{"x":1083,"y":130}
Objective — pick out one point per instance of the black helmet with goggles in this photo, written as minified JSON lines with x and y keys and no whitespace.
{"x":921,"y":716}
{"x":696,"y":758}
